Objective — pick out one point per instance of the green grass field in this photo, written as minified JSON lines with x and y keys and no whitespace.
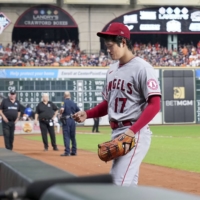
{"x":172,"y":146}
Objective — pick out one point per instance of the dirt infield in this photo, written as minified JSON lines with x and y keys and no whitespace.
{"x":150,"y":175}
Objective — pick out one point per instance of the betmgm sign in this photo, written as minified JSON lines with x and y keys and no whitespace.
{"x":178,"y":96}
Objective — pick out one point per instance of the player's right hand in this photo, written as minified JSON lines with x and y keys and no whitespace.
{"x":35,"y":122}
{"x":5,"y":119}
{"x":80,"y":116}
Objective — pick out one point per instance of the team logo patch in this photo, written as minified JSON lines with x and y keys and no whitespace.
{"x":152,"y":84}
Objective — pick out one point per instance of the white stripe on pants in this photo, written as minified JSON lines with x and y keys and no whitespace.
{"x":125,"y":169}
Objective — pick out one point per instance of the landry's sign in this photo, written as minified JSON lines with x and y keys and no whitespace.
{"x":45,"y":16}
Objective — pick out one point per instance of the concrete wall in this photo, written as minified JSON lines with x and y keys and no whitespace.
{"x":12,"y":12}
{"x":90,"y":20}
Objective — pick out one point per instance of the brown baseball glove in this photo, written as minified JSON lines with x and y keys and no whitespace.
{"x":115,"y":148}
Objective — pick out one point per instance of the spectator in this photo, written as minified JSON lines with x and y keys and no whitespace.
{"x":41,"y":44}
{"x":28,"y":113}
{"x":68,"y":53}
{"x":185,"y":51}
{"x":198,"y":44}
{"x":96,"y":125}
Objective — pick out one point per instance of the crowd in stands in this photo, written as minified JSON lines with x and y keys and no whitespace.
{"x":186,"y":55}
{"x":49,"y":54}
{"x":63,"y":53}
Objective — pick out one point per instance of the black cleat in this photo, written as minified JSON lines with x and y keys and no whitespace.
{"x":73,"y":154}
{"x":56,"y":149}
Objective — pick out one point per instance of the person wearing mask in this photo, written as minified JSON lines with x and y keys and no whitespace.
{"x":10,"y":113}
{"x":46,"y":111}
{"x":69,"y":127}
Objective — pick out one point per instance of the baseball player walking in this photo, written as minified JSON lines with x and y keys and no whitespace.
{"x":131,"y":100}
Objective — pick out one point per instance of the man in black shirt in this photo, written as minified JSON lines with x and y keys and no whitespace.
{"x":46,"y":111}
{"x":10,"y":112}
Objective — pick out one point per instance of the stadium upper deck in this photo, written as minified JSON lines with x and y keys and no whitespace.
{"x":167,"y":22}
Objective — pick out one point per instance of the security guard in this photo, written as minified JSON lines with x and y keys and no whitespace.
{"x":46,"y":111}
{"x":10,"y":112}
{"x":69,"y":126}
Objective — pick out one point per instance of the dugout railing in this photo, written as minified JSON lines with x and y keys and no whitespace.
{"x":17,"y":170}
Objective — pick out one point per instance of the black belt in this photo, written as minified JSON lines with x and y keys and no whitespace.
{"x":67,"y":116}
{"x":44,"y":119}
{"x":116,"y":124}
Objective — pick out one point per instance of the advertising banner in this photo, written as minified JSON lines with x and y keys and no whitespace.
{"x":82,"y":73}
{"x":28,"y":73}
{"x":198,"y":96}
{"x":45,"y":16}
{"x":163,"y":19}
{"x":168,"y":2}
{"x":178,"y":96}
{"x":26,"y":127}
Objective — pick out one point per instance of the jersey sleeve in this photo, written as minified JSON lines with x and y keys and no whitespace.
{"x":37,"y":109}
{"x":77,"y":108}
{"x":62,"y":104}
{"x":104,"y":92}
{"x":149,"y":84}
{"x":66,"y":107}
{"x":19,"y":107}
{"x":54,"y":107}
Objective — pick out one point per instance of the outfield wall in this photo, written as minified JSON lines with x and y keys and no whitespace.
{"x":180,"y":89}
